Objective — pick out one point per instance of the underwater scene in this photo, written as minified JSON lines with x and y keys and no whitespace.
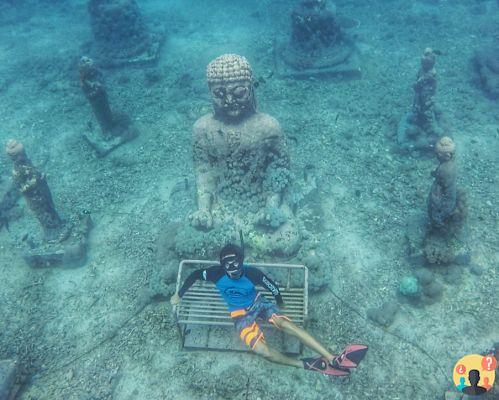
{"x":249,"y":200}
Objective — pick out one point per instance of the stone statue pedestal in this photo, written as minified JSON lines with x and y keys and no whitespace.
{"x":69,"y":251}
{"x":341,"y":59}
{"x":105,"y":144}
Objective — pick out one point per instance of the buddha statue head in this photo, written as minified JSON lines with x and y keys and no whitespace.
{"x":445,"y":149}
{"x":230,"y":80}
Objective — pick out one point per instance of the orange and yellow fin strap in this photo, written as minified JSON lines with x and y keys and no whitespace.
{"x":238,"y":313}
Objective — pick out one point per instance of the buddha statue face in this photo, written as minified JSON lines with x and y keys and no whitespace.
{"x":231,"y":85}
{"x":233,"y":100}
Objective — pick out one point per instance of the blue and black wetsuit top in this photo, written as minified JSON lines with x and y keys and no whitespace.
{"x":237,"y":293}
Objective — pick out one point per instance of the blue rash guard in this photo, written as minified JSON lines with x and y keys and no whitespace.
{"x":237,"y":293}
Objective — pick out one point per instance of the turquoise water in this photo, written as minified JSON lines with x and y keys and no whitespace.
{"x":97,"y":323}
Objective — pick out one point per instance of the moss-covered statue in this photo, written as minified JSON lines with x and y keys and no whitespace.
{"x":446,"y":208}
{"x":421,"y":128}
{"x":121,"y":35}
{"x":242,"y":163}
{"x":319,"y":45}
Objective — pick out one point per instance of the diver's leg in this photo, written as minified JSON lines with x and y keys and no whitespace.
{"x":303,"y":336}
{"x":275,"y":356}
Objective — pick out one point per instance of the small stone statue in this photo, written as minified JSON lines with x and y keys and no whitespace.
{"x":115,"y":129}
{"x":442,"y":201}
{"x":35,"y":190}
{"x":319,"y":43}
{"x":446,"y":211}
{"x":486,"y":62}
{"x":422,"y":127}
{"x":314,"y":26}
{"x":121,"y":35}
{"x":63,"y":242}
{"x":242,"y":162}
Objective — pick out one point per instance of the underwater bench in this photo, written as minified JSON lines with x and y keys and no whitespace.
{"x":204,"y":321}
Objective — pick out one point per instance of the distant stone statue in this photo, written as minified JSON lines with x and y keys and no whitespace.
{"x":121,"y":35}
{"x":242,"y":162}
{"x":486,"y":62}
{"x":115,"y":128}
{"x":422,"y":127}
{"x":319,"y":43}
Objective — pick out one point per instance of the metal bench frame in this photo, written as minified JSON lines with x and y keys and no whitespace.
{"x":202,"y":306}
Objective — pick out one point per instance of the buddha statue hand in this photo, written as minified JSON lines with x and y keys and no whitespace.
{"x":201,"y":219}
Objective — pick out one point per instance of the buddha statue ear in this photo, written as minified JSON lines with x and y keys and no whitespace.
{"x":253,"y":97}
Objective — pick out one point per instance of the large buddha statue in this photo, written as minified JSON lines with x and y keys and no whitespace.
{"x":242,"y":162}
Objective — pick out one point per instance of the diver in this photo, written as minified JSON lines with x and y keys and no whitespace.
{"x":236,"y":283}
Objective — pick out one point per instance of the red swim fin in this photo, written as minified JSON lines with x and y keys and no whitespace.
{"x":321,"y":364}
{"x":351,"y":356}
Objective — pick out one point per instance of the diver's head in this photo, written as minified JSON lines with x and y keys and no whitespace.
{"x":231,"y":260}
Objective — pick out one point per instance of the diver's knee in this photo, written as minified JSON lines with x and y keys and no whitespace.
{"x":262,"y":349}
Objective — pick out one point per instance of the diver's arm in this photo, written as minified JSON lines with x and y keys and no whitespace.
{"x":259,"y":278}
{"x":189,"y":281}
{"x":212,"y":274}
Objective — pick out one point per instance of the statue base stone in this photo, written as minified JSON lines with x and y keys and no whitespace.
{"x":105,"y":144}
{"x":411,"y":137}
{"x":69,"y":251}
{"x":341,"y":59}
{"x":113,"y":58}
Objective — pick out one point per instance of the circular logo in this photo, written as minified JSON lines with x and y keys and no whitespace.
{"x":474,"y":374}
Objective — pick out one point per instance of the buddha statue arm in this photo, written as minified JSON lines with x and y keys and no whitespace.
{"x":276,"y":177}
{"x":205,"y":181}
{"x":206,"y":185}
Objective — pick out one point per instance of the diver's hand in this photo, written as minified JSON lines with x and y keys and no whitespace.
{"x":201,"y":219}
{"x":175,"y":299}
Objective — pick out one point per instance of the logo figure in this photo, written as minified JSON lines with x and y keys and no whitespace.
{"x":474,"y":374}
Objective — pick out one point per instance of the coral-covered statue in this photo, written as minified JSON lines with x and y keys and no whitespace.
{"x":121,"y":34}
{"x":442,"y":201}
{"x":64,"y":242}
{"x":443,"y":243}
{"x":422,"y":127}
{"x":241,"y":159}
{"x":33,"y":186}
{"x":115,"y":128}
